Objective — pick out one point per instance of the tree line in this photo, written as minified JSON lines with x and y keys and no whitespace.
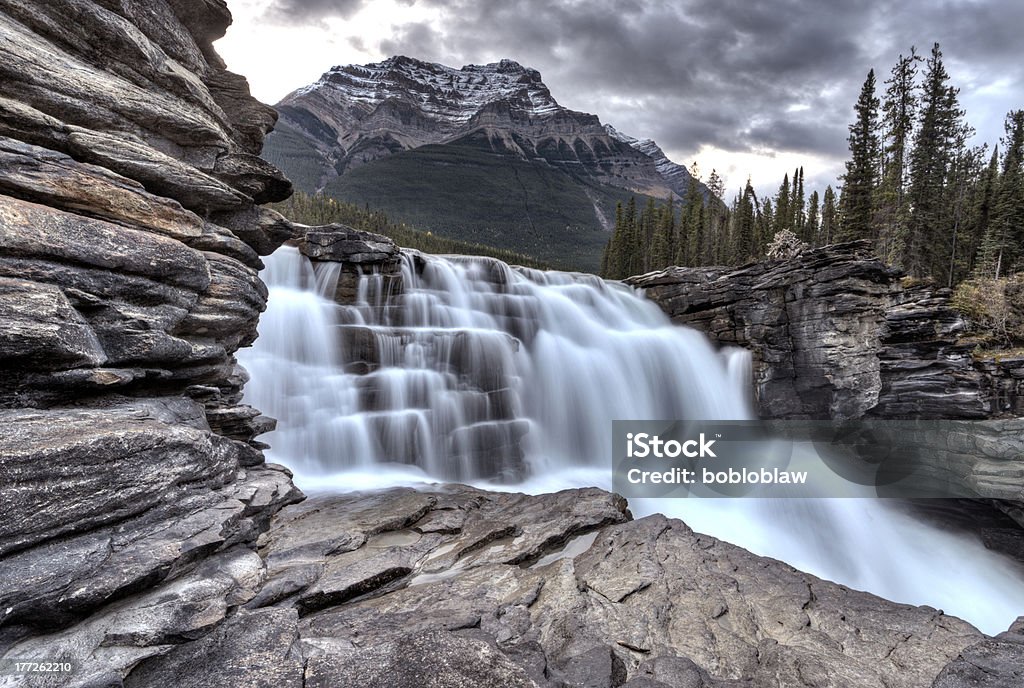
{"x":319,"y":209}
{"x":927,"y":200}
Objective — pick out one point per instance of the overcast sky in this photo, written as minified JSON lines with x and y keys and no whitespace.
{"x":745,"y":86}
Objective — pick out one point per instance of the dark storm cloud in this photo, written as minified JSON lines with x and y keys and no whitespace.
{"x":742,"y":75}
{"x":309,"y":11}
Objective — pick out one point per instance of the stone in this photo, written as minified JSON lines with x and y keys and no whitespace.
{"x":43,"y":330}
{"x":648,"y":601}
{"x":343,"y":244}
{"x":252,"y":648}
{"x":135,"y":486}
{"x":812,"y":321}
{"x":991,"y":663}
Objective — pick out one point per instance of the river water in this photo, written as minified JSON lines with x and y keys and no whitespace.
{"x":509,"y":378}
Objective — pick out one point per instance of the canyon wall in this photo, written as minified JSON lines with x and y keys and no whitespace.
{"x":130,"y":236}
{"x":835,"y":334}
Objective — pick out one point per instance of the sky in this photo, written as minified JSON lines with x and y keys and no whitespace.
{"x":747,"y":87}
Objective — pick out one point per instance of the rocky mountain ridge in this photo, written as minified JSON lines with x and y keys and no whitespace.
{"x":355,"y":114}
{"x":483,"y":153}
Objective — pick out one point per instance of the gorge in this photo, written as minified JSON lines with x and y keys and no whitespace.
{"x":147,"y":541}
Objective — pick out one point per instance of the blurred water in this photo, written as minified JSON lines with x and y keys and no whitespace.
{"x":509,"y":378}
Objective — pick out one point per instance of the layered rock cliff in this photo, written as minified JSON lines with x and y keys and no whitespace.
{"x":836,"y":334}
{"x":130,"y":236}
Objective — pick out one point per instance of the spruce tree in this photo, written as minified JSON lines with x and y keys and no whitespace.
{"x":929,"y":230}
{"x":1004,"y":243}
{"x":983,"y":209}
{"x":829,"y":218}
{"x":797,"y":204}
{"x":899,"y":109}
{"x":861,"y":176}
{"x":715,"y":226}
{"x":663,"y":248}
{"x":782,"y":218}
{"x":745,"y":218}
{"x":810,"y":229}
{"x":764,"y":226}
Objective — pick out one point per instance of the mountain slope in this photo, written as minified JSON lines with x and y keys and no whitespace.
{"x":482,"y":153}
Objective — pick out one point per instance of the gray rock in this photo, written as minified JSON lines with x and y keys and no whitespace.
{"x":438,"y":659}
{"x":128,"y":464}
{"x":42,"y":330}
{"x":647,"y":600}
{"x":254,"y":649}
{"x":812,"y":322}
{"x":992,"y":663}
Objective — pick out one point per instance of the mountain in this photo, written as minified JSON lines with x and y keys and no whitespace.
{"x":483,"y":153}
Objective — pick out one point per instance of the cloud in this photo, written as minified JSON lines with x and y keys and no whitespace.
{"x":297,"y":12}
{"x":745,"y":76}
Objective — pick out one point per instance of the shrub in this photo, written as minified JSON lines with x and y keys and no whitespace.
{"x":993,"y":308}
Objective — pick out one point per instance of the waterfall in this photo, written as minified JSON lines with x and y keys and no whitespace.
{"x":475,"y":371}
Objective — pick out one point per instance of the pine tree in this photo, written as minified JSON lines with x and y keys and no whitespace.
{"x":983,"y":208}
{"x":861,"y":176}
{"x":899,"y":108}
{"x":829,"y":218}
{"x":764,"y":226}
{"x":929,"y":232}
{"x":663,"y":248}
{"x":1004,"y":242}
{"x":745,"y":218}
{"x":633,"y":242}
{"x":810,"y":229}
{"x":797,"y":204}
{"x":691,"y":231}
{"x":782,"y":217}
{"x":715,"y":222}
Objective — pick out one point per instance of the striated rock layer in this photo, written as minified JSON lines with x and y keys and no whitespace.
{"x":130,"y":236}
{"x":836,"y":334}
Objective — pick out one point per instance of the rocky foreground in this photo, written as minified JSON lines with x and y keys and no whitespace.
{"x":459,"y":587}
{"x":145,"y":538}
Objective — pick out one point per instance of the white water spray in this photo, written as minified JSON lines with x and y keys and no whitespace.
{"x":476,"y":371}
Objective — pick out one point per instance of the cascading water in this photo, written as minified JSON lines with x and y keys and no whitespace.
{"x":476,"y":371}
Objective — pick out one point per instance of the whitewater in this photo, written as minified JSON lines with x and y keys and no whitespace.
{"x":509,"y":379}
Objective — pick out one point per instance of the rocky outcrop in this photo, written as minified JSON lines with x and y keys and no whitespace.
{"x":992,"y":663}
{"x":130,"y":236}
{"x":813,"y":324}
{"x":836,"y":334}
{"x":357,"y":254}
{"x":925,"y":371}
{"x":454,"y":586}
{"x":1005,"y":377}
